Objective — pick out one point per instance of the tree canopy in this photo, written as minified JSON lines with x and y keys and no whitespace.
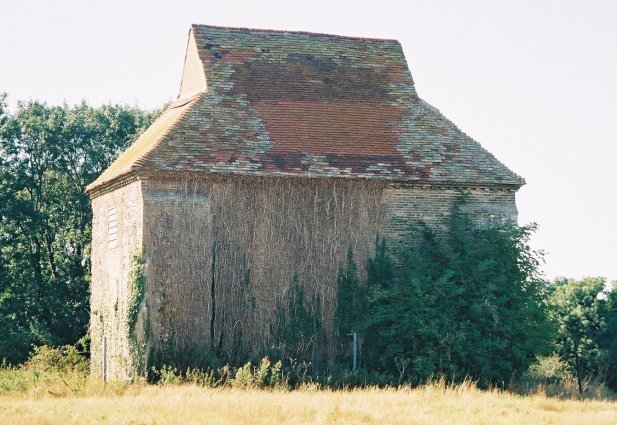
{"x":48,"y":155}
{"x":585,"y":312}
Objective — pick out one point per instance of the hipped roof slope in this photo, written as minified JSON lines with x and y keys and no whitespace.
{"x":303,"y":104}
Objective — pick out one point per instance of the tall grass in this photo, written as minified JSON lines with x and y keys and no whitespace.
{"x":64,"y":372}
{"x":54,"y":387}
{"x":53,"y":372}
{"x":435,"y":403}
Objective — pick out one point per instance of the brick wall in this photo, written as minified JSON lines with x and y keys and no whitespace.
{"x":264,"y":233}
{"x":235,"y":245}
{"x":116,"y":233}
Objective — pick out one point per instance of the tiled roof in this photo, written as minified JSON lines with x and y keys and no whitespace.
{"x":304,"y":104}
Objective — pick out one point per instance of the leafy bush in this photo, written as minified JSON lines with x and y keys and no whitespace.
{"x":265,"y":376}
{"x":55,"y":371}
{"x":66,"y":359}
{"x":244,"y":377}
{"x":468,"y":304}
{"x":549,"y":369}
{"x":169,"y":376}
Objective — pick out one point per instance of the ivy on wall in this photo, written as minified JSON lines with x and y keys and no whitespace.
{"x":300,"y":333}
{"x":136,"y":288}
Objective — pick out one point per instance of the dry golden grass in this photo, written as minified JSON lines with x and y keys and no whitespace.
{"x":186,"y":404}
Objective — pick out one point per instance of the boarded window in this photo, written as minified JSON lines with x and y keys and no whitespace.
{"x":112,"y":227}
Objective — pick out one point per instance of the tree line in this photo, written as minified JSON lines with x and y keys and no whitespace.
{"x":472,"y":304}
{"x":48,"y":155}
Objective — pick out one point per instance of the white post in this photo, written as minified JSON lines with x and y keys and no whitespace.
{"x":354,"y":350}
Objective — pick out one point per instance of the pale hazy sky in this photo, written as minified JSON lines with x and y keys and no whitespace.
{"x":535,"y":82}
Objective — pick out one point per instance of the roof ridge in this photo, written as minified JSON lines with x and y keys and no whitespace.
{"x":309,"y":33}
{"x":181,"y":101}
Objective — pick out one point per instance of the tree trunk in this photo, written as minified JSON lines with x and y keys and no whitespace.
{"x":578,"y":369}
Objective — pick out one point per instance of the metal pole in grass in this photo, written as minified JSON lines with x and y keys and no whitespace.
{"x":104,"y":360}
{"x":354,"y":350}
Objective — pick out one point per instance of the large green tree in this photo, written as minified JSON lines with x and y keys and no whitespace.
{"x":465,"y":304}
{"x":609,"y":338}
{"x":584,"y":311}
{"x":48,"y":155}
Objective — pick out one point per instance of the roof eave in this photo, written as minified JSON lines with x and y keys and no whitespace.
{"x":95,"y":190}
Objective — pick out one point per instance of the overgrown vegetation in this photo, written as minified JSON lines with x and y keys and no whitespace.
{"x":585,"y":313}
{"x":48,"y":154}
{"x":350,"y":308}
{"x":471,"y":304}
{"x":63,"y":372}
{"x":136,"y":287}
{"x":434,"y":403}
{"x":299,"y":333}
{"x":467,"y":304}
{"x":54,"y":371}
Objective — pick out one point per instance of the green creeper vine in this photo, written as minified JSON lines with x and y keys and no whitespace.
{"x":135,"y":294}
{"x":300,"y":332}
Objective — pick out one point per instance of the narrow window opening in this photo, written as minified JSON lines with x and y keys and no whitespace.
{"x":112,"y":227}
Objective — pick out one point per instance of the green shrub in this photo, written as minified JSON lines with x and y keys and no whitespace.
{"x":265,"y":376}
{"x":467,"y":304}
{"x":209,"y":378}
{"x":262,"y":373}
{"x":169,"y":376}
{"x":549,"y":369}
{"x":299,"y":328}
{"x":56,"y":371}
{"x":64,"y":359}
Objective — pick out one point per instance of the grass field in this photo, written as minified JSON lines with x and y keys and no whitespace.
{"x":187,"y":404}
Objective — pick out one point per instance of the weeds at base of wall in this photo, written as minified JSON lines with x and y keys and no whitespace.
{"x":288,"y":375}
{"x":64,"y":372}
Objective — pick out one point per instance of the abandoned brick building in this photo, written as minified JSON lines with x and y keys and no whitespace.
{"x":282,"y":150}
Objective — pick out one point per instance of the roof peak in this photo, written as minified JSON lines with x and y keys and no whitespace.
{"x":293,"y":32}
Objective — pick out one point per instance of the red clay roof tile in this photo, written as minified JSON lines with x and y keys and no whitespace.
{"x":305,"y":104}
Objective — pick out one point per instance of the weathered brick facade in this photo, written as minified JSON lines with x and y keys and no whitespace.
{"x":117,"y":232}
{"x":292,"y":149}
